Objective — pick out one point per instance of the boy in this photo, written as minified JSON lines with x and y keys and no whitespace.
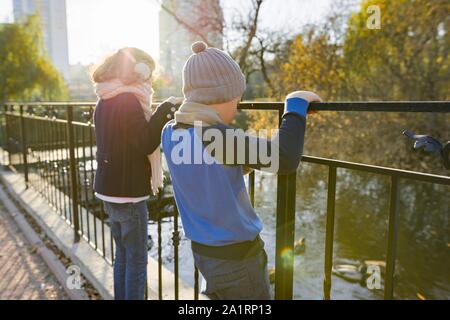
{"x":210,"y":193}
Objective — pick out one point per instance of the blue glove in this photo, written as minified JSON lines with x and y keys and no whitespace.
{"x":296,"y":105}
{"x":298,"y":102}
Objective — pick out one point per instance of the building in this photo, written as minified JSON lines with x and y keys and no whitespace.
{"x":54,"y":26}
{"x":203,"y":16}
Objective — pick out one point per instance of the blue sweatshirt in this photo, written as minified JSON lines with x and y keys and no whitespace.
{"x":212,"y":199}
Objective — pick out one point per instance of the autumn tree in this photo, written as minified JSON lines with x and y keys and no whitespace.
{"x":343,"y":60}
{"x":27,"y":73}
{"x":407,"y":58}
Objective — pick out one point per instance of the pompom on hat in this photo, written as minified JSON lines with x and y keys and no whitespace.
{"x":198,"y":47}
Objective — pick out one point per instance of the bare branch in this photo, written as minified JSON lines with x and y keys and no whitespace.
{"x":251,"y":33}
{"x":184,"y":24}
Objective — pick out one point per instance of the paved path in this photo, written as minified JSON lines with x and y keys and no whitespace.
{"x":23,"y":273}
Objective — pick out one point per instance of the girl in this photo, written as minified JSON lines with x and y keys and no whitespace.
{"x":128,"y":159}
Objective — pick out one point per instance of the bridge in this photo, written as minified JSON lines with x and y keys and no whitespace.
{"x":52,"y":147}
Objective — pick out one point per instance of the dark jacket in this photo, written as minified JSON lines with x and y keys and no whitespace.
{"x":124,"y":140}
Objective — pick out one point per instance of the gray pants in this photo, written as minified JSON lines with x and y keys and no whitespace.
{"x":235,"y":280}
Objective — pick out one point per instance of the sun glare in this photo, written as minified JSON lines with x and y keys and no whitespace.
{"x":111,"y":24}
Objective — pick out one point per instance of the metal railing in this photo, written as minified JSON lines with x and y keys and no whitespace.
{"x":53,"y":145}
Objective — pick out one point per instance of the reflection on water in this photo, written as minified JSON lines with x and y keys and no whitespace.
{"x":423,"y":264}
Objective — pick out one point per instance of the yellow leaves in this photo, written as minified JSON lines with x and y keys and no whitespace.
{"x":312,"y":64}
{"x":263,"y":120}
{"x":402,"y":61}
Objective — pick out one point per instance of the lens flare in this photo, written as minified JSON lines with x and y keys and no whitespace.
{"x":287,"y":255}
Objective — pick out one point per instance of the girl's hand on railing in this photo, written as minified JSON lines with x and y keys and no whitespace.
{"x":175,"y":100}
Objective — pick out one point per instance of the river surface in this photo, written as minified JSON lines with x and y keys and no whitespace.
{"x":362,"y":204}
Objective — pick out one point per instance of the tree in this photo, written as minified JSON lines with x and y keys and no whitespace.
{"x":408,"y":58}
{"x":204,"y":24}
{"x":250,"y":47}
{"x":341,"y":59}
{"x":27,"y":73}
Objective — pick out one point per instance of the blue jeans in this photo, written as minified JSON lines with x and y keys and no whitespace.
{"x":246,"y":279}
{"x":129,"y":229}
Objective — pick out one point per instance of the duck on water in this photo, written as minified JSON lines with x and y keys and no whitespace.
{"x":358,"y":272}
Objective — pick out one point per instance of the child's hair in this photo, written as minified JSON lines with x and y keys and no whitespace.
{"x":122,"y":65}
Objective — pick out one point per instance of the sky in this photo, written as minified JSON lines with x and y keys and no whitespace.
{"x":96,"y":27}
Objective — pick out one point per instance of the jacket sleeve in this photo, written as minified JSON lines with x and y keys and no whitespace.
{"x":145,"y":136}
{"x":285,"y":149}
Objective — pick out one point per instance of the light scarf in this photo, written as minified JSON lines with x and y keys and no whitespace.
{"x":143,"y":92}
{"x":191,"y":112}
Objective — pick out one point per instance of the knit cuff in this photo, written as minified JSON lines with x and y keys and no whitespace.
{"x":296,"y":105}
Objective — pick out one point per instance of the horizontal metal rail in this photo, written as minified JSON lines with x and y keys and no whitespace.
{"x":412,"y":175}
{"x":373,"y":106}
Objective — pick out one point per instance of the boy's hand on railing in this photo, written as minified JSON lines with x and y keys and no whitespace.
{"x":299,"y":101}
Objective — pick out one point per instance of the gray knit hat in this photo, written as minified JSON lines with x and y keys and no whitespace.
{"x":210,"y":76}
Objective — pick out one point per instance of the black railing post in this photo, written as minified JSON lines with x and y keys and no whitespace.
{"x":24,"y":146}
{"x":329,"y":232}
{"x":176,"y":242}
{"x":392,"y":238}
{"x":196,"y":283}
{"x":160,"y":262}
{"x":285,"y":234}
{"x":7,"y":144}
{"x":3,"y":134}
{"x":285,"y":237}
{"x":73,"y":174}
{"x":251,"y":187}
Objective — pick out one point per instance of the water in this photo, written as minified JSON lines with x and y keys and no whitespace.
{"x":423,"y":265}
